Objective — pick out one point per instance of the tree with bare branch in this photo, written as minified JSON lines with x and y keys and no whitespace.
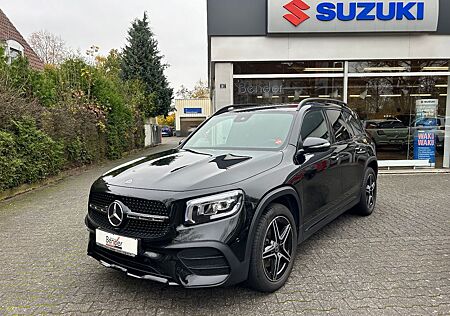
{"x":51,"y":48}
{"x":200,"y":91}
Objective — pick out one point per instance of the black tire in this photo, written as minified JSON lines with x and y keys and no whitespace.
{"x":261,"y":271}
{"x":368,"y":200}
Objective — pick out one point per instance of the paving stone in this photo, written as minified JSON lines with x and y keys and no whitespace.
{"x":395,"y":262}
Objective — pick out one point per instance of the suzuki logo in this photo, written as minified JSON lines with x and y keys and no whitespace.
{"x":352,"y":16}
{"x":371,"y":11}
{"x":360,"y":11}
{"x":296,"y":15}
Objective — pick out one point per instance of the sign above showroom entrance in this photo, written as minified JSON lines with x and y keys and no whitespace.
{"x":351,"y":16}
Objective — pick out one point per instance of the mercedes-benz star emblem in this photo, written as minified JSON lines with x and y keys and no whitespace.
{"x":115,"y":214}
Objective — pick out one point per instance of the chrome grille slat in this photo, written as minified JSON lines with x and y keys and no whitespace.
{"x":136,"y":205}
{"x":145,"y":219}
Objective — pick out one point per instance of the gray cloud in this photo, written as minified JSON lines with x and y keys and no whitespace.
{"x":179,"y":25}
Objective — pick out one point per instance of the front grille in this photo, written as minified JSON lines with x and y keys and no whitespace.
{"x":134,"y":204}
{"x":134,"y":228}
{"x":205,"y":261}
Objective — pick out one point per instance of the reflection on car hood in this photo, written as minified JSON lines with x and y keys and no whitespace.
{"x":183,"y":170}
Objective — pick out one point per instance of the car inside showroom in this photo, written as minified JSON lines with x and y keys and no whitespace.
{"x":389,"y":62}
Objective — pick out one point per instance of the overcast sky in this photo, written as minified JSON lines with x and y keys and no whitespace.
{"x":179,"y":25}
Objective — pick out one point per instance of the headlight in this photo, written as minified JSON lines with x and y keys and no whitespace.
{"x":213,"y":207}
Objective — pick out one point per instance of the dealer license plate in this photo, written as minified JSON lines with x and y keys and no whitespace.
{"x":125,"y":245}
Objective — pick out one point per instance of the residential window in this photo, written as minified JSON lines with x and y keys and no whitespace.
{"x":13,"y":50}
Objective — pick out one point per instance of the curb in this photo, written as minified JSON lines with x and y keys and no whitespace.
{"x":24,"y":188}
{"x":414,"y":171}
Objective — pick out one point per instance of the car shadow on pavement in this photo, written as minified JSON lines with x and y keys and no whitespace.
{"x":297,"y":291}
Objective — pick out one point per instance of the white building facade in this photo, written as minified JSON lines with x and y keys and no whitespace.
{"x":382,"y":57}
{"x":190,"y":113}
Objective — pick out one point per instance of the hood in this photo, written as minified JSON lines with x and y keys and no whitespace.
{"x":183,"y":170}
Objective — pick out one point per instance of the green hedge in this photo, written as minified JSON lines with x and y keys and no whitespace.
{"x":10,"y":163}
{"x":65,"y":116}
{"x":28,"y":155}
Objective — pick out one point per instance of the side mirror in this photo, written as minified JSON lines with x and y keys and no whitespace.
{"x":312,"y":145}
{"x":315,"y":144}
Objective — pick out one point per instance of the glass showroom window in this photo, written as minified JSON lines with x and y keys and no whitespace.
{"x":394,"y":66}
{"x":290,"y":67}
{"x":276,"y":91}
{"x":398,"y":100}
{"x":392,"y":110}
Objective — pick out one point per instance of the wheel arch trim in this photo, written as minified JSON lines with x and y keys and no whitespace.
{"x":262,"y":205}
{"x":370,"y":161}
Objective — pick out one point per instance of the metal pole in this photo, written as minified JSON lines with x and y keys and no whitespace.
{"x":447,"y":130}
{"x":231,"y":83}
{"x":345,"y":82}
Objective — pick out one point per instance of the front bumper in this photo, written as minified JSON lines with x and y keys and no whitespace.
{"x":191,"y":264}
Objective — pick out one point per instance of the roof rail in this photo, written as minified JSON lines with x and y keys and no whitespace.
{"x":235,"y":106}
{"x":323,"y":100}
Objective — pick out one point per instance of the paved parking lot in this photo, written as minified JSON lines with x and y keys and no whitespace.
{"x":396,"y":262}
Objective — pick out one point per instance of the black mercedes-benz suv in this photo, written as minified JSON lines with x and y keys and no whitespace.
{"x":232,"y":201}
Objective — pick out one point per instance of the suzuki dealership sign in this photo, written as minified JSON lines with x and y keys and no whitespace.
{"x":311,"y":16}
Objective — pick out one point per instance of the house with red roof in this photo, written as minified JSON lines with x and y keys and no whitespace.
{"x":14,"y":43}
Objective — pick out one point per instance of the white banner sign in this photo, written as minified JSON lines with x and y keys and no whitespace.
{"x":311,"y":16}
{"x":427,"y":108}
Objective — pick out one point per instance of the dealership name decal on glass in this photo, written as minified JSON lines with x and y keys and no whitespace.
{"x":245,"y":88}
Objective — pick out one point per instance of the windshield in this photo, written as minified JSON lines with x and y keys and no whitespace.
{"x":243,"y":130}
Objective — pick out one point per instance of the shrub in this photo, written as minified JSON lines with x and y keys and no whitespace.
{"x":78,"y":126}
{"x":13,"y":107}
{"x":68,"y":115}
{"x":10,"y":163}
{"x":47,"y":86}
{"x":120,"y":123}
{"x":41,"y":156}
{"x":77,"y":152}
{"x":27,"y":155}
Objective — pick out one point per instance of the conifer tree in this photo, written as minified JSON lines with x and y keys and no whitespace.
{"x":142,"y":61}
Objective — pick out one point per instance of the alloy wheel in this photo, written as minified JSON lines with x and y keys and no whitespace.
{"x":371,"y":188}
{"x":277,"y":248}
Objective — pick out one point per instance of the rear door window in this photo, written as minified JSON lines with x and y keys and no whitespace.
{"x":339,"y":127}
{"x":354,"y":124}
